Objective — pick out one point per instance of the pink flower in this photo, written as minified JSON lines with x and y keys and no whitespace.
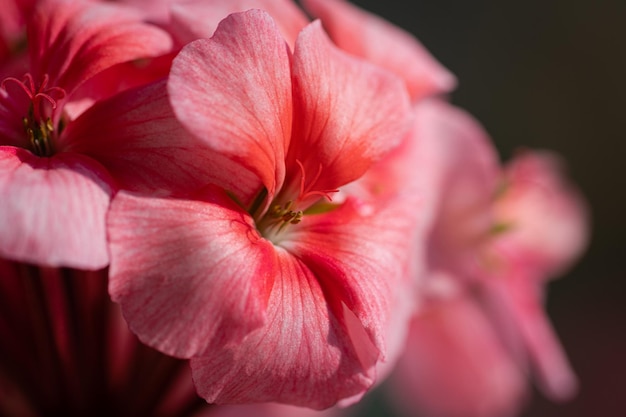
{"x":54,"y":199}
{"x":274,"y":291}
{"x":489,"y":250}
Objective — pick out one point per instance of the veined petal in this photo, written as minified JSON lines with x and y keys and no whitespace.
{"x":364,"y":276}
{"x":301,"y":356}
{"x":270,"y":410}
{"x":348,"y":110}
{"x":136,"y":136}
{"x":234,"y":92}
{"x":199,"y":18}
{"x":53,"y":209}
{"x":190,"y":275}
{"x":72,"y":41}
{"x":368,"y":36}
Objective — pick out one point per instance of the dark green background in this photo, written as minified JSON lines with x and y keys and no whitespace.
{"x":550,"y":74}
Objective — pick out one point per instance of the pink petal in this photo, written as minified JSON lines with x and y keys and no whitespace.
{"x":366,"y":35}
{"x":349,"y":111}
{"x":13,"y":105}
{"x":455,"y":366}
{"x":198,"y":19}
{"x":234,"y":91}
{"x":72,"y":41}
{"x":460,"y":173}
{"x":115,"y":79}
{"x":518,"y":302}
{"x":548,"y":217}
{"x":364,"y":276}
{"x":268,"y":410}
{"x":53,"y":209}
{"x":142,"y":144}
{"x":301,"y":356}
{"x":190,"y":275}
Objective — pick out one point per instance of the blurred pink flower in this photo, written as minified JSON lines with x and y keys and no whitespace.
{"x":492,"y":239}
{"x":275,"y":293}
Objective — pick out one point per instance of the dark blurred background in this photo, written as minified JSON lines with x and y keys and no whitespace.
{"x":551,"y":74}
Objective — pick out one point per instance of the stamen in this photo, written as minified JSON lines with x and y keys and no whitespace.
{"x":38,"y":124}
{"x":308,"y":192}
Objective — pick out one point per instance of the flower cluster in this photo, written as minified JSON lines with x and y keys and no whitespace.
{"x":249,"y":202}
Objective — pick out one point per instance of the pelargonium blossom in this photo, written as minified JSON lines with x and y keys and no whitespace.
{"x":55,"y":199}
{"x":494,"y":237}
{"x":281,"y":289}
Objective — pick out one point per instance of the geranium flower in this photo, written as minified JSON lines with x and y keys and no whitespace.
{"x":375,"y":40}
{"x":55,"y":200}
{"x":494,"y":236}
{"x":276,"y":292}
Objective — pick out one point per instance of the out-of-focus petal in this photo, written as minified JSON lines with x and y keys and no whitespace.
{"x":199,"y":18}
{"x":351,"y":112}
{"x":53,"y":209}
{"x":190,"y":275}
{"x":455,"y":366}
{"x":303,"y":354}
{"x":234,"y":92}
{"x":368,"y":36}
{"x":460,"y":175}
{"x":72,"y":41}
{"x":136,"y":136}
{"x":546,"y":216}
{"x":517,"y":302}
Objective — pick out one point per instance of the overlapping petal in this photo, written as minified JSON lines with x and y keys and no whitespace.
{"x":190,"y":275}
{"x":462,"y":178}
{"x":302,"y":355}
{"x":234,"y":92}
{"x":328,"y":85}
{"x":353,"y":268}
{"x":517,"y":300}
{"x":53,"y":209}
{"x":455,"y":365}
{"x":72,"y":41}
{"x":198,"y":19}
{"x":136,"y":136}
{"x":368,"y":36}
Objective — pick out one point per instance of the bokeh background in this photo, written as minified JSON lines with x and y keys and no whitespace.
{"x":550,"y":74}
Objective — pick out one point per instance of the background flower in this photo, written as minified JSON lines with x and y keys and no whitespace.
{"x":550,"y":74}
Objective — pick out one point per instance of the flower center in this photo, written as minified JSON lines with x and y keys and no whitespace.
{"x":285,"y":211}
{"x":42,"y":103}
